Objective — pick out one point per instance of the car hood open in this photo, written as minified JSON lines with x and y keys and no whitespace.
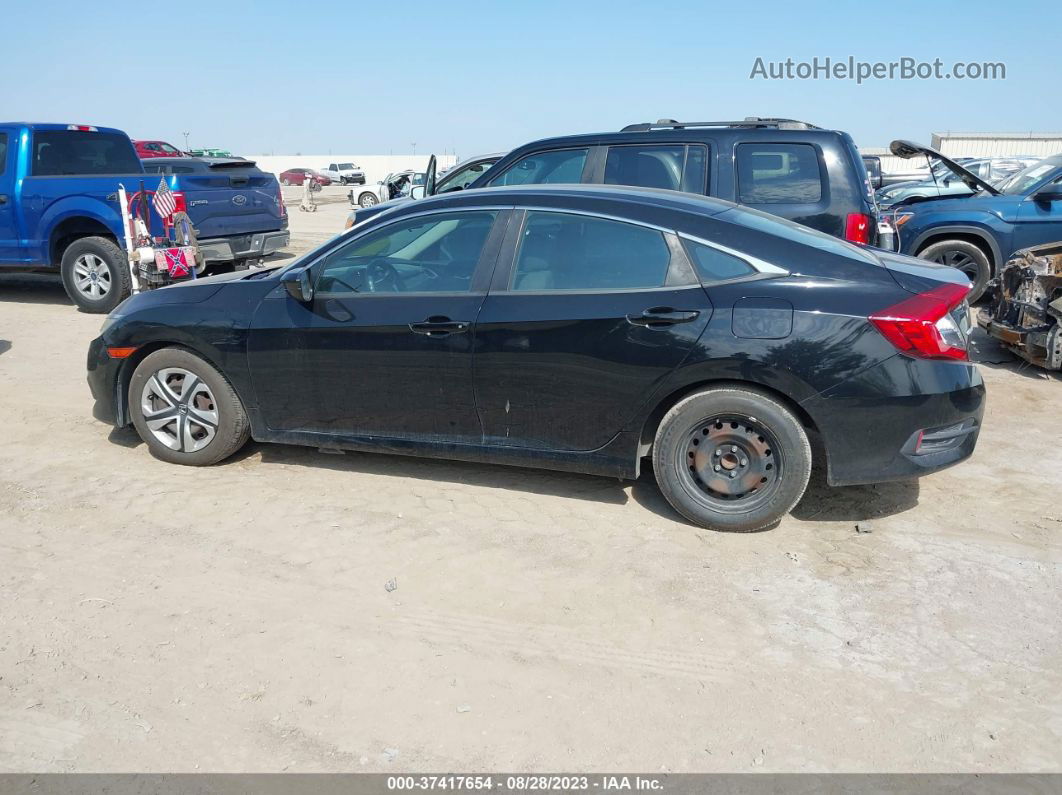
{"x":909,"y":149}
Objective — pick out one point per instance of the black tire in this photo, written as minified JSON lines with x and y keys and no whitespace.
{"x":965,"y":256}
{"x":367,"y":199}
{"x":231,"y":430}
{"x":765,"y":446}
{"x":108,"y":280}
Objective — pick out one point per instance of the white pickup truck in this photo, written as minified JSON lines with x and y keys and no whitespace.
{"x":344,"y":173}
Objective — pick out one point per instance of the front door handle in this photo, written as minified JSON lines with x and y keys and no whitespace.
{"x":662,"y":316}
{"x":439,"y":327}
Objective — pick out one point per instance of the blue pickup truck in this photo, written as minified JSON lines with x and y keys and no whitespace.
{"x":59,"y":207}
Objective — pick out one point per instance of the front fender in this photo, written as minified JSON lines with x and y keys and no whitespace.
{"x":982,"y":230}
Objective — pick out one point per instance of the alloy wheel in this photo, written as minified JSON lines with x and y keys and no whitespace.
{"x":367,"y":200}
{"x":960,"y":260}
{"x":179,"y":409}
{"x":92,"y":276}
{"x":732,"y":463}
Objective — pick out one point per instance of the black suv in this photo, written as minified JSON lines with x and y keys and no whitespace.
{"x":789,"y":168}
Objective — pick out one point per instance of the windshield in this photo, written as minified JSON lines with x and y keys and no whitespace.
{"x":1027,"y":179}
{"x":346,"y":166}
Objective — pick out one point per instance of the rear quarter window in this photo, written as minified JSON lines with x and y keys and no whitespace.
{"x":76,"y":152}
{"x":778,"y":174}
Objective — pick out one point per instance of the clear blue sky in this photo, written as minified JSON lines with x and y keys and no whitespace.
{"x":485,"y":76}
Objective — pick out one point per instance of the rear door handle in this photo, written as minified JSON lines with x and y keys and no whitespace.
{"x":662,"y":316}
{"x":439,"y":327}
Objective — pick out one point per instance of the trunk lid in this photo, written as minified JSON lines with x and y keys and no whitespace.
{"x":230,"y":197}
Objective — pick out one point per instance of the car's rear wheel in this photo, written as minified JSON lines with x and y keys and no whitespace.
{"x":731,"y":458}
{"x":185,"y":410}
{"x":367,"y":199}
{"x":965,"y":256}
{"x":95,"y":274}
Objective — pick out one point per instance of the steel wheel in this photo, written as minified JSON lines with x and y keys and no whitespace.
{"x":730,"y":462}
{"x":367,"y":200}
{"x":179,"y":409}
{"x":92,"y":276}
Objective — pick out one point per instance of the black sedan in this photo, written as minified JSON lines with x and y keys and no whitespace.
{"x":568,"y":327}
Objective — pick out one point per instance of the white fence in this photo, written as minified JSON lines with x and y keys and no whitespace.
{"x":376,"y":167}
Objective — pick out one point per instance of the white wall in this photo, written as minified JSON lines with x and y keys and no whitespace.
{"x":376,"y":167}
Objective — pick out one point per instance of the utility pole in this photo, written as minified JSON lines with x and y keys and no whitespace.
{"x":185,"y":141}
{"x":414,"y":145}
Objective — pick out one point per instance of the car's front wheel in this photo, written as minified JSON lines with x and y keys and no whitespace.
{"x":965,"y":256}
{"x":185,"y":410}
{"x":731,"y":458}
{"x":367,"y":199}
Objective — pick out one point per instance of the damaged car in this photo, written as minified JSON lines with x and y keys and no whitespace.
{"x":977,"y":234}
{"x":1025,"y":313}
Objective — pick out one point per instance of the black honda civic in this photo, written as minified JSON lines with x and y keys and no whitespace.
{"x":581,"y":328}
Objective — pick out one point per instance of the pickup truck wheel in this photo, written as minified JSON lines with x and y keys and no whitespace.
{"x":965,"y":256}
{"x":367,"y":199}
{"x":95,"y":274}
{"x":732,"y":459}
{"x":185,"y":410}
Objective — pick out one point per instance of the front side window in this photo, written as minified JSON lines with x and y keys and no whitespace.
{"x":459,"y":180}
{"x":541,"y":168}
{"x":778,"y":174}
{"x":645,"y":166}
{"x":66,"y":152}
{"x":561,"y":251}
{"x":427,"y":254}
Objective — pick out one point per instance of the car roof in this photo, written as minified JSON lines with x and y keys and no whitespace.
{"x":612,"y":194}
{"x":683,"y":134}
{"x":51,"y":125}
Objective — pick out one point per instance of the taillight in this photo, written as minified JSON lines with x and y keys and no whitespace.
{"x":280,"y":201}
{"x":922,"y":325}
{"x":179,"y":203}
{"x":857,"y":228}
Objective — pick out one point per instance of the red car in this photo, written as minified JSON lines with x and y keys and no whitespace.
{"x":146,"y":149}
{"x":296,"y":176}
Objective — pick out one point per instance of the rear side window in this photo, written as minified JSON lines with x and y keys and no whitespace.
{"x":562,"y":251}
{"x":778,"y":174}
{"x":541,"y":168}
{"x":64,"y":152}
{"x":3,"y":151}
{"x":645,"y":166}
{"x":714,"y":265}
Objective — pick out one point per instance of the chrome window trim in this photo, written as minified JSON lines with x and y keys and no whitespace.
{"x":593,"y":214}
{"x":762,"y":266}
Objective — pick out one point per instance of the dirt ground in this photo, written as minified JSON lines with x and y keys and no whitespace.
{"x":242,"y":617}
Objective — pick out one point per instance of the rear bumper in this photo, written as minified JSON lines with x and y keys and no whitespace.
{"x":258,"y":244}
{"x":900,"y":419}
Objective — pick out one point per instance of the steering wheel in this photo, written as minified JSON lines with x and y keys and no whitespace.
{"x":382,"y":277}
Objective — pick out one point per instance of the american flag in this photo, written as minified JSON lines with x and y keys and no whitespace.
{"x":163,"y":202}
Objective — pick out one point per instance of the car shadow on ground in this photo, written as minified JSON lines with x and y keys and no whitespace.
{"x":5,"y":346}
{"x":820,"y":502}
{"x":32,"y":288}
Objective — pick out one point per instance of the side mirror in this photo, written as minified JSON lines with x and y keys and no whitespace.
{"x":1049,"y":193}
{"x":298,"y":285}
{"x":416,"y":192}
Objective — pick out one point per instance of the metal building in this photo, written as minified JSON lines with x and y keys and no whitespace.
{"x":993,"y":144}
